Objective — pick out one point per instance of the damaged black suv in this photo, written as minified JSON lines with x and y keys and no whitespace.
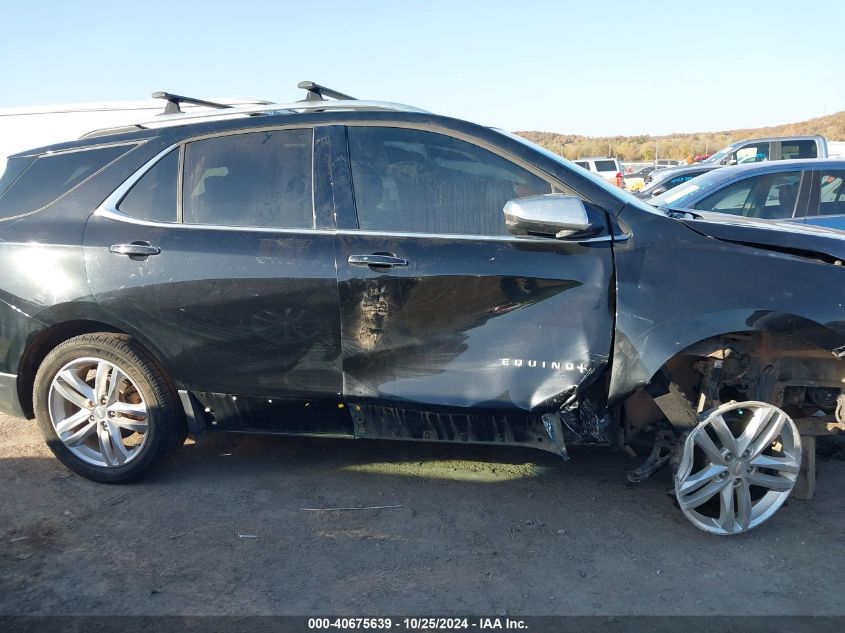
{"x":372,"y":270}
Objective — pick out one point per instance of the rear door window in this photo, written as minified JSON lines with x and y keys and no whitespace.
{"x":258,"y":179}
{"x":832,"y":193}
{"x":806,"y":148}
{"x":53,"y":175}
{"x":424,"y":182}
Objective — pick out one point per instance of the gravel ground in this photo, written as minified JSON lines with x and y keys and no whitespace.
{"x":224,"y":528}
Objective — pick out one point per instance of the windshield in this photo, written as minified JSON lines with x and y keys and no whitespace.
{"x":620,"y":193}
{"x":681,"y":196}
{"x":720,"y":155}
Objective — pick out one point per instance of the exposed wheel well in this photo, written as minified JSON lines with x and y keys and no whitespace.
{"x":776,"y":368}
{"x":41,"y":346}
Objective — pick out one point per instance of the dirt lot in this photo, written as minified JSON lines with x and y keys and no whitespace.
{"x":222,"y":529}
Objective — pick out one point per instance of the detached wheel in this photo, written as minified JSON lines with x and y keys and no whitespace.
{"x":105,"y":408}
{"x":737,"y":467}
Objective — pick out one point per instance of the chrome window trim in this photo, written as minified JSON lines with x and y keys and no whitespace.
{"x":485,"y":238}
{"x":108,"y":208}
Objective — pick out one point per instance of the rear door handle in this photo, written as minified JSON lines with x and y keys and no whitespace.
{"x":377,"y":259}
{"x":135,"y":249}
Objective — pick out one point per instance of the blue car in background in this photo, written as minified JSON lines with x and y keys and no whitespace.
{"x":809,"y":191}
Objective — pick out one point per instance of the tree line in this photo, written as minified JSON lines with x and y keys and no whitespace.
{"x":678,"y":146}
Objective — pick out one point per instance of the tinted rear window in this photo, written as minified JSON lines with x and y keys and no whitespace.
{"x":606,"y":165}
{"x":51,"y":176}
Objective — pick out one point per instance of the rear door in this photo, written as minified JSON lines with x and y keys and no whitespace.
{"x":441,"y":308}
{"x":229,"y":273}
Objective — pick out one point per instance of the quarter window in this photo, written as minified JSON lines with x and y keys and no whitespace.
{"x":259,"y":179}
{"x":423,"y":182}
{"x":53,"y":175}
{"x":153,"y":197}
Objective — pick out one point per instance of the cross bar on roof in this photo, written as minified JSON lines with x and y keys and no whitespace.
{"x":173,"y":102}
{"x":316,"y":92}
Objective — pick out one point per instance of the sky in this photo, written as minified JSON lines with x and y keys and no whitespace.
{"x":583,"y":67}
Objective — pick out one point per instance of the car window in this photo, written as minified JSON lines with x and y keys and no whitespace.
{"x":799,"y":149}
{"x":153,"y":197}
{"x":259,"y":179}
{"x":53,"y":175}
{"x":583,"y":163}
{"x":423,"y":182}
{"x":832,"y":193}
{"x":754,"y":153}
{"x":768,"y":196}
{"x":606,"y":165}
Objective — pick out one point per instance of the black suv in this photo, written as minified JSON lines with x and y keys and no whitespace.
{"x":362,"y":269}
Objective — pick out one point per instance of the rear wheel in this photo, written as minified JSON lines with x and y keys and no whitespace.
{"x":105,"y":408}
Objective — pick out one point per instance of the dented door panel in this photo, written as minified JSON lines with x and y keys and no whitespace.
{"x":508,"y":325}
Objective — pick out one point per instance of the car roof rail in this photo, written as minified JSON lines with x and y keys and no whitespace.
{"x":316,"y":92}
{"x":315,"y":101}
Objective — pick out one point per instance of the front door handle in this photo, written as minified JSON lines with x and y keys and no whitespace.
{"x":377,"y":259}
{"x":135,"y":249}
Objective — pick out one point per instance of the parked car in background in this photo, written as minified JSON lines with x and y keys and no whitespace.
{"x":608,"y":168}
{"x":805,"y":191}
{"x":760,"y":150}
{"x":662,"y":180}
{"x":636,"y":179}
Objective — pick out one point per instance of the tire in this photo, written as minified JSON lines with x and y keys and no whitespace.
{"x":89,"y":433}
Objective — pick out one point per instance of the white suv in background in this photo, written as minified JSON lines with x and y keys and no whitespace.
{"x":608,"y":168}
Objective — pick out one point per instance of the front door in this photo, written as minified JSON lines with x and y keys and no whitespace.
{"x":234,"y":285}
{"x":442,"y":310}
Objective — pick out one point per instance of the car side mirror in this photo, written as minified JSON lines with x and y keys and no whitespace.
{"x":658,"y":191}
{"x":552,"y":214}
{"x":729,"y":161}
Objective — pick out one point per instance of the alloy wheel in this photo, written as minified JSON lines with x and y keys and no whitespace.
{"x":738,"y":466}
{"x":98,"y":412}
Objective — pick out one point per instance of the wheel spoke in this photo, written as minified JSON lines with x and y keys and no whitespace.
{"x":702,"y":495}
{"x":120,"y":451}
{"x":693,"y":482}
{"x":127,"y":408}
{"x":137,"y":426}
{"x":727,"y":518}
{"x":703,"y":441}
{"x":115,"y":379}
{"x":772,"y":482}
{"x":73,"y":389}
{"x":723,"y":433}
{"x":101,"y":381}
{"x":781,"y":464}
{"x":71,"y":421}
{"x":743,"y":505}
{"x":765,"y":425}
{"x":81,"y":435}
